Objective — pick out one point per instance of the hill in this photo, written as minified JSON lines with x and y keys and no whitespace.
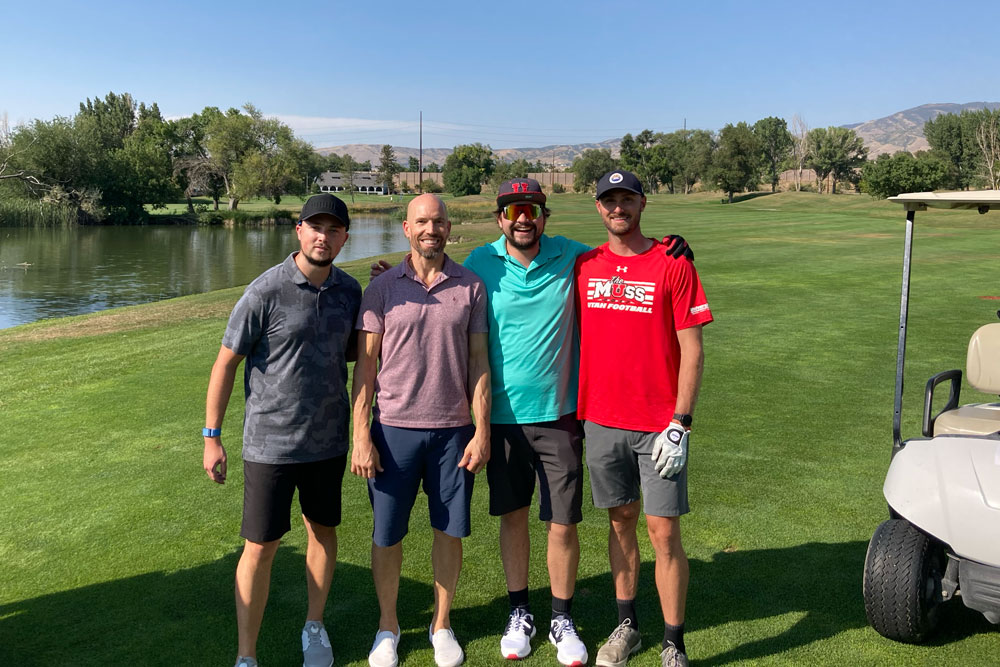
{"x":901,"y":131}
{"x":904,"y":130}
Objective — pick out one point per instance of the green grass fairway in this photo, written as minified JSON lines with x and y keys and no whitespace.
{"x":115,"y":548}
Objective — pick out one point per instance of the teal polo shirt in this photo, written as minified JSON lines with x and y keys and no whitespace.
{"x":533,"y":343}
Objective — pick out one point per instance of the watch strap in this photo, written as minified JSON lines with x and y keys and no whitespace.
{"x":211,"y":432}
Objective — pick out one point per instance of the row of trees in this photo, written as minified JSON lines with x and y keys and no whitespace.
{"x":964,"y":153}
{"x":739,"y":158}
{"x":115,"y":156}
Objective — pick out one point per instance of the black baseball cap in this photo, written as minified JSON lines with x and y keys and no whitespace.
{"x":326,"y":203}
{"x":619,"y":180}
{"x":520,"y":189}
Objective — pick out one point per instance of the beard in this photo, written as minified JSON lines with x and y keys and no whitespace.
{"x":522,"y":245}
{"x":428,"y":253}
{"x":318,"y":262}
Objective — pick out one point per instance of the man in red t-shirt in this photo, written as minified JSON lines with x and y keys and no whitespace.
{"x":641,"y":312}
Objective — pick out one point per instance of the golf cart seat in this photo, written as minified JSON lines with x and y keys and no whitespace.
{"x":982,"y":366}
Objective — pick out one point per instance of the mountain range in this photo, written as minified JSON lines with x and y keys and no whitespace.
{"x":901,"y":131}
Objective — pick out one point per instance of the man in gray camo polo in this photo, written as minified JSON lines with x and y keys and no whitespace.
{"x":294,"y":326}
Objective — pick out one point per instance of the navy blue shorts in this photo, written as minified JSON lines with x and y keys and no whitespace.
{"x":409,"y":456}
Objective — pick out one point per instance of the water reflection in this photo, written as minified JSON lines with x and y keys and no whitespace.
{"x":85,"y":269}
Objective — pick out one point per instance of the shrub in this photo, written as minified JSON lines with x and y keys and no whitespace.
{"x":428,"y":185}
{"x":558,"y":188}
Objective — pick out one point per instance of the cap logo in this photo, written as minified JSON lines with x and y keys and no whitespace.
{"x":519,"y":186}
{"x":615,"y":178}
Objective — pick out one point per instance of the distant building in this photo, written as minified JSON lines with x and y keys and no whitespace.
{"x":363,"y":181}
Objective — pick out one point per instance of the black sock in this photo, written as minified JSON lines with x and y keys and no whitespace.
{"x":675,"y":635}
{"x":519,"y":599}
{"x":561,"y":608}
{"x":626,"y":609}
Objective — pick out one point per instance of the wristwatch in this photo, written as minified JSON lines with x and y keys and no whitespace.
{"x":211,"y":432}
{"x":684,"y":419}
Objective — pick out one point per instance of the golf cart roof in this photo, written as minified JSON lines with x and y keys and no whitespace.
{"x":981,"y":200}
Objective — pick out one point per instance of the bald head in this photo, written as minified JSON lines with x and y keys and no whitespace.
{"x":427,"y":227}
{"x":426,"y":205}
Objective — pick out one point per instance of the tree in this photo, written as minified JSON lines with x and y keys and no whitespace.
{"x":348,"y":167}
{"x":776,"y":144}
{"x":467,"y":168}
{"x":432,"y":168}
{"x":988,"y":140}
{"x":388,"y":167}
{"x":689,"y":154}
{"x":413,"y":164}
{"x":950,"y":137}
{"x":636,"y":155}
{"x":889,"y":176}
{"x":736,"y":162}
{"x":800,"y":148}
{"x":505,"y":171}
{"x":590,"y":166}
{"x":836,"y":151}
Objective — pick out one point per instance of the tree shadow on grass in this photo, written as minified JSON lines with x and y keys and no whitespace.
{"x":187,"y":617}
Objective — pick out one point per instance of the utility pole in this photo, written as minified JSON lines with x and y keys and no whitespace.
{"x":420,"y":165}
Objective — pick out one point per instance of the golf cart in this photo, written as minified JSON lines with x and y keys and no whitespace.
{"x":942,"y":539}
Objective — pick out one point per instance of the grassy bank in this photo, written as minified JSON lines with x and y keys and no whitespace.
{"x":24,"y":213}
{"x":118,"y":549}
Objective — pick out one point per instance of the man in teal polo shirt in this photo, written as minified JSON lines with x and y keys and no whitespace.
{"x":534,"y":352}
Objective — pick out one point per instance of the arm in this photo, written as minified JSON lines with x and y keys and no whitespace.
{"x":691,"y":367}
{"x":364,"y":457}
{"x":220,"y":388}
{"x":670,"y":447}
{"x":477,"y":453}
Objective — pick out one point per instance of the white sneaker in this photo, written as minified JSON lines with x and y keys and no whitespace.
{"x":570,"y":650}
{"x":447,"y":652}
{"x":516,"y":640}
{"x":383,"y":653}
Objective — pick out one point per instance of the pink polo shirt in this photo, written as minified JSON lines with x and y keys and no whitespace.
{"x":422,"y":380}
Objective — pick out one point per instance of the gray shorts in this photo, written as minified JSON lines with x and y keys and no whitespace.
{"x":620,"y":463}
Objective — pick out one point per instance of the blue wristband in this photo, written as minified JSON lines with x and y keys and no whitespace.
{"x":211,"y":432}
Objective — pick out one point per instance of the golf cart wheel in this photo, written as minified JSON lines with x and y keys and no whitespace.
{"x":902,"y":582}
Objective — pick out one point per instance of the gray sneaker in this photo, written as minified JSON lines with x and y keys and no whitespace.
{"x":245,"y":662}
{"x":624,"y":642}
{"x":671,"y":657}
{"x":316,"y":649}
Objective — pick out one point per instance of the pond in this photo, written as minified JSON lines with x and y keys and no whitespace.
{"x":56,"y":272}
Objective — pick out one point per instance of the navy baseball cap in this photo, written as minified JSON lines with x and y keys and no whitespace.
{"x":326,"y":203}
{"x":520,"y":189}
{"x":619,"y":180}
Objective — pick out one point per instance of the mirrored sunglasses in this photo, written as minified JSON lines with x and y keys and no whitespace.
{"x":514,"y":211}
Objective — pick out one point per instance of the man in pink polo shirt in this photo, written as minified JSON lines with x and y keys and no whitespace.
{"x":426,"y":320}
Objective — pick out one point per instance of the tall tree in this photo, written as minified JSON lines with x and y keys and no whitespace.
{"x":988,"y":141}
{"x":736,"y":162}
{"x":775,"y":144}
{"x":348,"y":167}
{"x":800,"y":148}
{"x":467,"y":168}
{"x":836,"y":151}
{"x":590,"y":166}
{"x":950,"y":138}
{"x":889,"y":176}
{"x":388,"y":167}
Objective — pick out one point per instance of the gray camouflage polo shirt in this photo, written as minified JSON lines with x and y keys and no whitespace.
{"x":294,"y":337}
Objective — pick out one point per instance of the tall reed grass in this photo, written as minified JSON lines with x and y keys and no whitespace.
{"x":26,"y":213}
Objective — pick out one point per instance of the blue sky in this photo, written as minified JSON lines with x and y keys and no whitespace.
{"x":506,"y":74}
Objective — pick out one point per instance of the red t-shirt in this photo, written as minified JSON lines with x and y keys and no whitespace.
{"x":630,"y":310}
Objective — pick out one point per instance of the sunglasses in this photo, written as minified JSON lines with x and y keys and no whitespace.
{"x":514,"y":211}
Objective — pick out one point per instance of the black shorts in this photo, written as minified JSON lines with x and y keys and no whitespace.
{"x":552,"y":452}
{"x":268,"y":489}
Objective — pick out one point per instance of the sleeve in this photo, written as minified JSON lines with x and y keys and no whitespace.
{"x":372,"y":315}
{"x":477,"y":319}
{"x":690,"y":306}
{"x":246,"y":324}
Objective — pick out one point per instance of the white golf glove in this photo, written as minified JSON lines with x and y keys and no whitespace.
{"x":670,"y":450}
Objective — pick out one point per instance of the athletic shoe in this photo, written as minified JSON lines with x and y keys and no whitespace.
{"x":447,"y":652}
{"x":516,"y":640}
{"x":570,"y":650}
{"x":246,"y":662}
{"x":624,"y":642}
{"x":383,"y":653}
{"x":316,"y":649}
{"x":671,"y":657}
